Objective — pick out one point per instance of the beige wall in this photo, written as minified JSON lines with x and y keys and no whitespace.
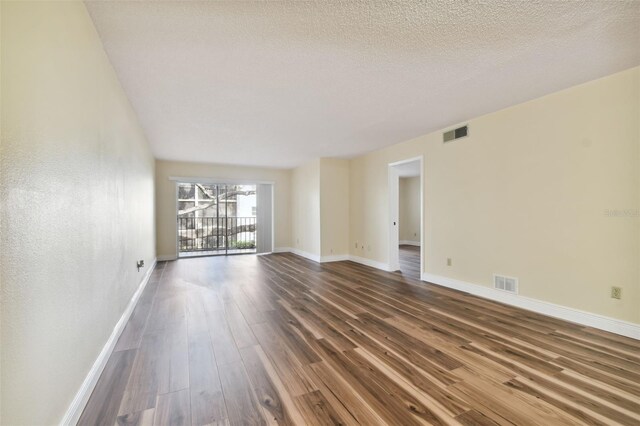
{"x":334,"y":206}
{"x":2,"y":194}
{"x":525,"y":195}
{"x":409,"y":209}
{"x":320,"y":208}
{"x":305,"y":208}
{"x":77,"y":194}
{"x":166,"y":197}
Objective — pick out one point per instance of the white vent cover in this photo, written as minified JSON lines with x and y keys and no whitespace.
{"x":505,"y":283}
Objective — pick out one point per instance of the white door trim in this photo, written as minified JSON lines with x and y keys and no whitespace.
{"x":394,"y":213}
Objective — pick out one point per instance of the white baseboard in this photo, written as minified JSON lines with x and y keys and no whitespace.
{"x":334,"y":258}
{"x":369,"y":262}
{"x":282,"y":250}
{"x":577,"y":316}
{"x":310,"y":256}
{"x":165,"y":257}
{"x":74,"y":411}
{"x":409,"y":243}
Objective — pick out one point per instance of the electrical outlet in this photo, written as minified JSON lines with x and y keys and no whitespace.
{"x":616,"y":292}
{"x":449,"y":261}
{"x":356,"y":245}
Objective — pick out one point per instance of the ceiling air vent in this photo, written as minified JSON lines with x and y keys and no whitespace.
{"x":503,"y":283}
{"x":454,"y":134}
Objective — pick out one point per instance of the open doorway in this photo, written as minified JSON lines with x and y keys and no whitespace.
{"x":406,"y":217}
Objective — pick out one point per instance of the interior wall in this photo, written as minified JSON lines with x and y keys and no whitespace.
{"x":166,"y":197}
{"x":1,"y":214}
{"x":546,"y":191}
{"x":409,"y":199}
{"x":334,"y":206}
{"x":305,"y":203}
{"x":77,"y":196}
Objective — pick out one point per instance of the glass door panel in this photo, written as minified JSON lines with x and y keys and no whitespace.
{"x":216,"y":219}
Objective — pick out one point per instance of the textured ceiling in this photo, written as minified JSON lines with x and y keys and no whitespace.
{"x":279,"y":83}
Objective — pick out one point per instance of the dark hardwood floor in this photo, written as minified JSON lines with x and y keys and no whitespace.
{"x":278,"y":339}
{"x":410,"y":261}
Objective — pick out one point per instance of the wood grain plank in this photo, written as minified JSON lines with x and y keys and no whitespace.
{"x":205,"y":391}
{"x":104,"y":403}
{"x":278,"y":339}
{"x":242,"y":405}
{"x":140,"y":418}
{"x":173,"y":409}
{"x":267,"y":393}
{"x":316,"y":410}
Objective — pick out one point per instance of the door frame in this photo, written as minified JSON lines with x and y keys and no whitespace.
{"x":394,"y":213}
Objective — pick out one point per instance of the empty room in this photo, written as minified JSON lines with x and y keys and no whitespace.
{"x":360,"y":212}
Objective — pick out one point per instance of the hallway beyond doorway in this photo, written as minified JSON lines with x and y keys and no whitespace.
{"x":410,"y":261}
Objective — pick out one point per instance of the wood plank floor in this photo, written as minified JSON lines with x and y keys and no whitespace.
{"x":410,"y":261}
{"x":278,"y":339}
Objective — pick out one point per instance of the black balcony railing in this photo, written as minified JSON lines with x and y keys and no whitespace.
{"x":216,"y":234}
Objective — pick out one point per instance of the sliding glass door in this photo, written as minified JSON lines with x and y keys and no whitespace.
{"x":216,"y":219}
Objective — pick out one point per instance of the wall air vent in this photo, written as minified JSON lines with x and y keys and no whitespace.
{"x":510,"y":284}
{"x":454,"y":134}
